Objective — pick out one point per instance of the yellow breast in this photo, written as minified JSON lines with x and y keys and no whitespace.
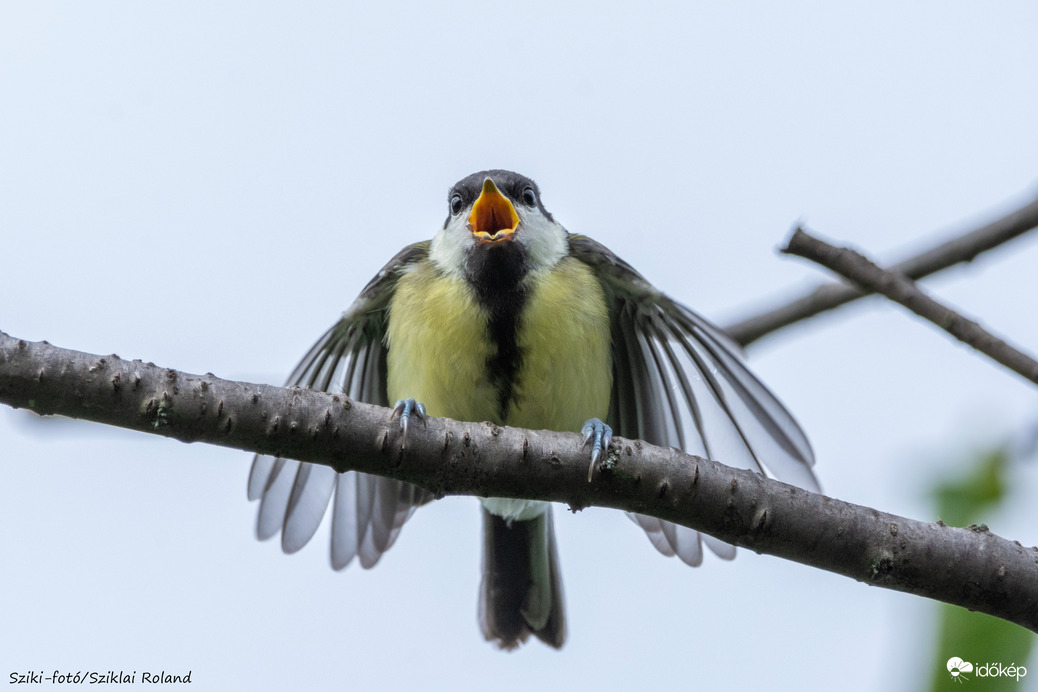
{"x":566,"y":373}
{"x":439,"y":345}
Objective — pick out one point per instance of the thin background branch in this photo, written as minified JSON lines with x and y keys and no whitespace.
{"x":862,"y":271}
{"x":963,"y":248}
{"x":989,"y":574}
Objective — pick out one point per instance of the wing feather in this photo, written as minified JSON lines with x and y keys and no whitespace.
{"x":274,"y":502}
{"x":386,"y":497}
{"x":721,"y":427}
{"x":679,"y":381}
{"x":258,"y":475}
{"x":351,"y":384}
{"x":767,"y":409}
{"x":644,"y":397}
{"x":665,"y":385}
{"x":311,"y":491}
{"x":623,"y":409}
{"x":345,"y":520}
{"x":365,"y":504}
{"x":367,"y":511}
{"x":653,"y":528}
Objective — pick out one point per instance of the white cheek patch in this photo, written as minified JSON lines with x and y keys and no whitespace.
{"x":449,"y":246}
{"x":544,"y":240}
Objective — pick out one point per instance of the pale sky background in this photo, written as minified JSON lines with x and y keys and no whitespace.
{"x":207,"y":186}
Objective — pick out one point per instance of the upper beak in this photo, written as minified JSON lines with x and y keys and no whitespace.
{"x":493,"y":217}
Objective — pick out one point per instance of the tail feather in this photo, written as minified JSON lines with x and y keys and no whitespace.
{"x":521,"y":592}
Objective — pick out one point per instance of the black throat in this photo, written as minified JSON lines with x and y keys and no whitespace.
{"x":496,"y":271}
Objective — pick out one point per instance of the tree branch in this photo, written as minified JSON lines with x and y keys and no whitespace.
{"x":969,"y":567}
{"x":828,"y":296}
{"x":862,"y":271}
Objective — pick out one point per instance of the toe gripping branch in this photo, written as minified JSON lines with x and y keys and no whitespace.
{"x":404,"y":409}
{"x":600,"y":436}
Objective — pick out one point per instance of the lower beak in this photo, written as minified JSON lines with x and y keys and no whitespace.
{"x":493,"y":217}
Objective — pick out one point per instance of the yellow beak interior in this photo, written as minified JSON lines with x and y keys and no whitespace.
{"x":493,"y":217}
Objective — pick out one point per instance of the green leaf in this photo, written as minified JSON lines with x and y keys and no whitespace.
{"x":974,"y":637}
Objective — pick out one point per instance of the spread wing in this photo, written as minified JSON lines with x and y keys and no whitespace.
{"x":680,"y":381}
{"x":367,"y":511}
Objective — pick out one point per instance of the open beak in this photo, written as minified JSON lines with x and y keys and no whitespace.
{"x":493,"y":217}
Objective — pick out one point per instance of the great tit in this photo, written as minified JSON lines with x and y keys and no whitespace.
{"x":505,"y":316}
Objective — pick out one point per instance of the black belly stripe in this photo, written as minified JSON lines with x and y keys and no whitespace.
{"x":496,"y":271}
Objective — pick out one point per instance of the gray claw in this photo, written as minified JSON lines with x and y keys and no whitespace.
{"x":602,"y":436}
{"x":404,"y":409}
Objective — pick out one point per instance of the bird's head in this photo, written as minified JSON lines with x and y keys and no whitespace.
{"x":493,"y":210}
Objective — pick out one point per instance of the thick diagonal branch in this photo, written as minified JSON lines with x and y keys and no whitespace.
{"x":969,"y":567}
{"x":963,"y":248}
{"x":862,"y":271}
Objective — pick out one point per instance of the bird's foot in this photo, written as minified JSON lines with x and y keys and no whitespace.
{"x":404,"y":409}
{"x":600,"y":436}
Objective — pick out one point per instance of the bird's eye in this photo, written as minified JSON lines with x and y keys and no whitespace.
{"x":529,"y":197}
{"x":456,"y":203}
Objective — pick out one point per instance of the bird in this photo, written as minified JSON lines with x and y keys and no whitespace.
{"x":505,"y":316}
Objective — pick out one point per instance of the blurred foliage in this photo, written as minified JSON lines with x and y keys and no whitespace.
{"x":976,"y":637}
{"x":963,"y":501}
